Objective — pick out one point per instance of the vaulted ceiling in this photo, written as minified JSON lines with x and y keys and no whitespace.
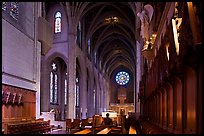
{"x":114,"y":42}
{"x":111,"y":27}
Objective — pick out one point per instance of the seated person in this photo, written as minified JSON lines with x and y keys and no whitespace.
{"x":107,"y":121}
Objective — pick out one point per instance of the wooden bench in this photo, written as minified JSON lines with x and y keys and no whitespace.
{"x":149,"y":128}
{"x":104,"y":131}
{"x":116,"y":130}
{"x":85,"y":131}
{"x":33,"y":127}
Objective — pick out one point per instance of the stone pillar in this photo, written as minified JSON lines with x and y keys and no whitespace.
{"x":37,"y":13}
{"x":71,"y":72}
{"x":83,"y":91}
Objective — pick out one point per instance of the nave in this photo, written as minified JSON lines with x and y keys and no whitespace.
{"x":65,"y":65}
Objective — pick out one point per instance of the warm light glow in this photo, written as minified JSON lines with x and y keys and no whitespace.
{"x":111,"y":114}
{"x":175,"y":36}
{"x":111,"y":20}
{"x":167,"y":51}
{"x":154,"y":35}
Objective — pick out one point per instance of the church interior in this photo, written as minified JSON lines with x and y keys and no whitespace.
{"x":65,"y":65}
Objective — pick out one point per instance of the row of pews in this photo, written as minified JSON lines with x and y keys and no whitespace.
{"x":107,"y":130}
{"x":97,"y":127}
{"x":149,"y":128}
{"x":31,"y":127}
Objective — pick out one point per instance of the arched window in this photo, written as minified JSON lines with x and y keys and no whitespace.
{"x":14,"y":10}
{"x":58,"y":25}
{"x":53,"y":84}
{"x":122,"y":78}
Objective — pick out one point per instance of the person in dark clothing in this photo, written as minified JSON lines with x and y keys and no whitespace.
{"x":107,"y":121}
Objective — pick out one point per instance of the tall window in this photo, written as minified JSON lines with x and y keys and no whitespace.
{"x":77,"y":98}
{"x":14,"y":10}
{"x":77,"y":91}
{"x":89,"y":46}
{"x":95,"y":57}
{"x":53,"y":84}
{"x":58,"y":25}
{"x":94,"y":98}
{"x":79,"y":35}
{"x":65,"y":91}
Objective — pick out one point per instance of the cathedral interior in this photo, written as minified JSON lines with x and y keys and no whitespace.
{"x":65,"y":65}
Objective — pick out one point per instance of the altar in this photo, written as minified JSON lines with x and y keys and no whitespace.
{"x":51,"y":116}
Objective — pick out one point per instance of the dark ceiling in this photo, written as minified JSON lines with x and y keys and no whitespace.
{"x":114,"y":43}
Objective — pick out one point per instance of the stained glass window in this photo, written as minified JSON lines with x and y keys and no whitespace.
{"x":77,"y":91}
{"x":4,"y":6}
{"x":122,"y":78}
{"x":51,"y":87}
{"x":14,"y":10}
{"x":58,"y":25}
{"x":55,"y":91}
{"x":53,"y":84}
{"x":65,"y":91}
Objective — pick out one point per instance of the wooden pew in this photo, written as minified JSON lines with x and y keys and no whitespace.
{"x":132,"y":130}
{"x":149,"y":128}
{"x":33,"y":127}
{"x":85,"y":131}
{"x":104,"y":131}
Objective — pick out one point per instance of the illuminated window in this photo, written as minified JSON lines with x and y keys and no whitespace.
{"x":14,"y":10}
{"x":65,"y":91}
{"x":77,"y":91}
{"x":94,"y":98}
{"x":122,"y":78}
{"x":77,"y":97}
{"x":4,"y":6}
{"x":58,"y":25}
{"x":53,"y":84}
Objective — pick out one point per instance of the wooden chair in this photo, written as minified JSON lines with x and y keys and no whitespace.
{"x":68,"y":124}
{"x":76,"y":124}
{"x":84,"y":122}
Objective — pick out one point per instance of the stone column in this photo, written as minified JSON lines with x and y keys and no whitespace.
{"x":138,"y":60}
{"x":71,"y":72}
{"x":37,"y":13}
{"x":83,"y":91}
